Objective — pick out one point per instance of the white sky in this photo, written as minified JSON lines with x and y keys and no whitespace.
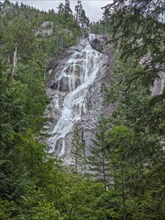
{"x":92,"y":7}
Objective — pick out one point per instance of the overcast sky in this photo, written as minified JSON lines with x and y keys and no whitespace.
{"x":92,"y":7}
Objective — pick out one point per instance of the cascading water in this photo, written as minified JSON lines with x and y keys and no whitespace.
{"x":72,"y":86}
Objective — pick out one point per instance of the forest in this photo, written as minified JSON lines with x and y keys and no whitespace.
{"x":123,"y":177}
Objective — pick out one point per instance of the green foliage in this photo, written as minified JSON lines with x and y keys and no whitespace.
{"x":98,"y":160}
{"x":67,"y":9}
{"x":135,"y":135}
{"x":138,"y":31}
{"x":107,"y":206}
{"x":27,"y":20}
{"x":101,"y":27}
{"x":135,"y":150}
{"x":23,"y":102}
{"x":78,"y":197}
{"x":7,"y":209}
{"x":33,"y":185}
{"x":18,"y":34}
{"x":78,"y":151}
{"x":80,"y":15}
{"x":36,"y":206}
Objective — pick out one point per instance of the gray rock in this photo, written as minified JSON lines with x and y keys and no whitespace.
{"x":159,"y":82}
{"x":54,"y":85}
{"x":46,"y":24}
{"x":63,"y":84}
{"x":46,"y":29}
{"x":58,"y":88}
{"x":44,"y":33}
{"x":159,"y":85}
{"x":98,"y":43}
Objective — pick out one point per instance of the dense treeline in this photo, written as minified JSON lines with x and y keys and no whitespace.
{"x":123,"y":178}
{"x":135,"y":140}
{"x":32,"y":184}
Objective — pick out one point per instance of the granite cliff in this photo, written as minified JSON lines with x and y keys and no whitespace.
{"x":75,"y":93}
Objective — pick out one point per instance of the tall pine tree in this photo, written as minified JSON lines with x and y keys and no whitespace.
{"x":78,"y":151}
{"x":98,"y":160}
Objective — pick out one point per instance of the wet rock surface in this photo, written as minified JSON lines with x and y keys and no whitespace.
{"x":76,"y":98}
{"x":98,"y":43}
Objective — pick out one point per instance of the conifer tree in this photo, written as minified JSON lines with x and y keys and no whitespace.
{"x":78,"y":151}
{"x":98,"y":161}
{"x":84,"y":20}
{"x":78,"y":9}
{"x":80,"y":15}
{"x":33,"y":185}
{"x":133,"y":147}
{"x":67,"y":8}
{"x":61,"y":8}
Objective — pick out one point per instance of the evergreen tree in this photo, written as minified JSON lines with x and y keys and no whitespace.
{"x":138,"y":31}
{"x":80,"y":15}
{"x":78,"y":9}
{"x":133,"y":147}
{"x":21,"y":154}
{"x":84,"y":20}
{"x":78,"y":151}
{"x":19,"y":37}
{"x":33,"y":185}
{"x":98,"y":161}
{"x":67,"y":8}
{"x":61,"y":8}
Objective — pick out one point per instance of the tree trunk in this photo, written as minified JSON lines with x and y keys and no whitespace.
{"x":15,"y":59}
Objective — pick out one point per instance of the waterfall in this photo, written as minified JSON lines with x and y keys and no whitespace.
{"x":72,"y":86}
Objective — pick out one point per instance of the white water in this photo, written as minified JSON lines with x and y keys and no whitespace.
{"x":88,"y":62}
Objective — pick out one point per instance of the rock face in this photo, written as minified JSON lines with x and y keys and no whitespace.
{"x":74,"y":90}
{"x":97,"y":45}
{"x":46,"y":29}
{"x":98,"y":42}
{"x":75,"y":95}
{"x":158,"y":85}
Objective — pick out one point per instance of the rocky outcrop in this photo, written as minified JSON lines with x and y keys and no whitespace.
{"x":98,"y":43}
{"x":46,"y":29}
{"x":159,"y":84}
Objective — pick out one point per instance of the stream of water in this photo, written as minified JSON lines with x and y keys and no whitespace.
{"x":78,"y":73}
